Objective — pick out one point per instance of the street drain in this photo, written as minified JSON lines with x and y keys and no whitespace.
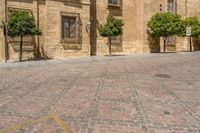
{"x":162,"y":75}
{"x":167,"y":112}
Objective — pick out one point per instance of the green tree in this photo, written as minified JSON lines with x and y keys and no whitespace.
{"x":164,"y":25}
{"x":192,"y":22}
{"x":113,"y":27}
{"x":21,"y":24}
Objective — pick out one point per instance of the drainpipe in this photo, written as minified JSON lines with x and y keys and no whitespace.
{"x":186,"y":15}
{"x":186,"y":10}
{"x":38,"y":23}
{"x":5,"y":32}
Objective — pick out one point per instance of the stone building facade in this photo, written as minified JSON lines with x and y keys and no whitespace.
{"x":136,"y":14}
{"x":70,"y":26}
{"x":63,"y":24}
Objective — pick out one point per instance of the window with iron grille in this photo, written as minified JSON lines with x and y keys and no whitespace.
{"x":69,"y":27}
{"x":171,"y":40}
{"x":170,"y":6}
{"x":71,"y":33}
{"x":116,"y":39}
{"x":114,"y":2}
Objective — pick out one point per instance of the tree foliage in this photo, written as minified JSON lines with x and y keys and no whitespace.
{"x":21,"y":24}
{"x":192,"y":22}
{"x":164,"y":24}
{"x":113,"y":27}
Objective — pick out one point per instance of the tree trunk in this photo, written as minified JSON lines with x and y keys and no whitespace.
{"x":165,"y":39}
{"x":20,"y":49}
{"x":190,"y":44}
{"x":110,"y":46}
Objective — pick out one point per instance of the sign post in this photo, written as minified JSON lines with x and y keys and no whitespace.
{"x":189,"y":34}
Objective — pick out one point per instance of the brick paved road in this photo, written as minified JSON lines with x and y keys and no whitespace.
{"x":150,"y":93}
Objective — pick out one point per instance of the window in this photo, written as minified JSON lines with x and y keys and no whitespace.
{"x":114,"y":2}
{"x":71,"y":31}
{"x":68,"y":27}
{"x":170,"y":6}
{"x":116,"y":39}
{"x":171,"y":40}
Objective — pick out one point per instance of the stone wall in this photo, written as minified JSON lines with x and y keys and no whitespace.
{"x":132,"y":38}
{"x":50,"y":24}
{"x":190,"y":8}
{"x":29,"y":42}
{"x":101,"y":14}
{"x":136,"y":14}
{"x":135,"y":39}
{"x":150,"y":8}
{"x":52,"y":37}
{"x":180,"y":43}
{"x":133,"y":28}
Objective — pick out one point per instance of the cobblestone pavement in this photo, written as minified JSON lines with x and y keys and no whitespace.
{"x":149,"y":93}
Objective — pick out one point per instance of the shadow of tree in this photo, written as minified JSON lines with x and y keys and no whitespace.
{"x":153,"y":43}
{"x":196,"y":43}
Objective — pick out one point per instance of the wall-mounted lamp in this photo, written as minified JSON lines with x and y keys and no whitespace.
{"x":88,"y":26}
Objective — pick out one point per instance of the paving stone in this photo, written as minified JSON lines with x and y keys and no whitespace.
{"x":41,"y":127}
{"x":116,"y":129}
{"x":129,"y":94}
{"x":168,"y":114}
{"x":10,"y":121}
{"x":188,"y":96}
{"x":115,"y":110}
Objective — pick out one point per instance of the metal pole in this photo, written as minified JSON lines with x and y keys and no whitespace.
{"x":6,"y":33}
{"x":190,"y":43}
